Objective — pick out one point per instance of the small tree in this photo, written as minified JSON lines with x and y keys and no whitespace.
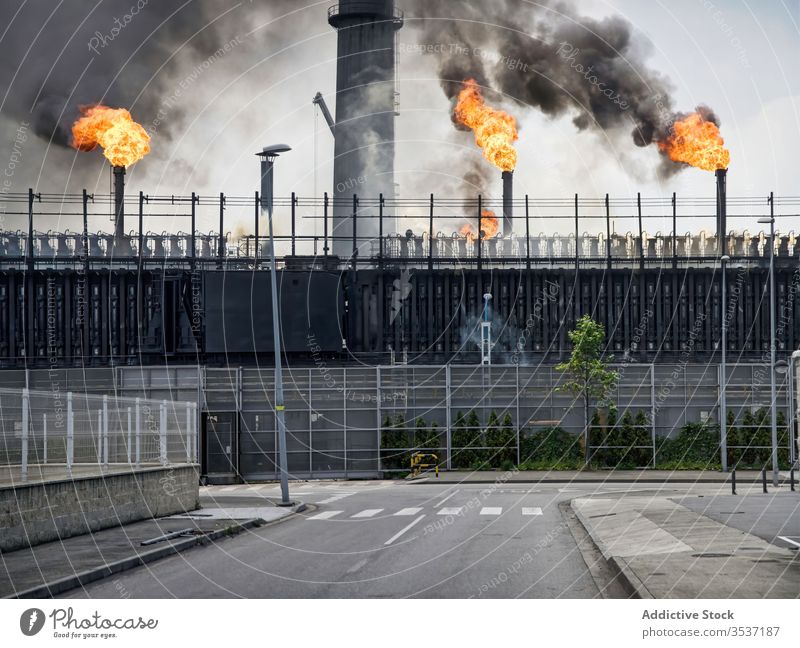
{"x":587,"y":374}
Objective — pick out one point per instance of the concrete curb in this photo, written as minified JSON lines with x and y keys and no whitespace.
{"x":50,"y":590}
{"x":622,"y":571}
{"x":604,"y":480}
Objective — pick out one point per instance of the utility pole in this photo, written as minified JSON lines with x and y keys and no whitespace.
{"x":772,"y":343}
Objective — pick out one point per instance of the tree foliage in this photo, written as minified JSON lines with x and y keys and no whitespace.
{"x":588,"y":375}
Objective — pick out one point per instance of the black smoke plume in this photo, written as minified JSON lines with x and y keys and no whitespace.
{"x":547,"y":56}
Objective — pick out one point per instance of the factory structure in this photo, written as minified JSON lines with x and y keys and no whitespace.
{"x":385,"y":313}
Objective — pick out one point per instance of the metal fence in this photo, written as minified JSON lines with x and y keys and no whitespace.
{"x":54,"y":429}
{"x":359,"y":420}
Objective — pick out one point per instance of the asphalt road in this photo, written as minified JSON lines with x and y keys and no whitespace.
{"x":774,"y":517}
{"x":381,"y":539}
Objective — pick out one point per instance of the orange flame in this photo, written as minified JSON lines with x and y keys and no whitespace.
{"x":495,"y":130}
{"x":490,"y":225}
{"x":122,"y":139}
{"x":697,"y":142}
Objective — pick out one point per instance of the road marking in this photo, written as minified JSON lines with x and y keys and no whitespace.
{"x":785,"y":539}
{"x":445,"y":499}
{"x":325,"y":515}
{"x":451,"y":510}
{"x":492,"y":510}
{"x":408,"y":511}
{"x":403,"y":530}
{"x":335,"y":498}
{"x":367,"y":513}
{"x":534,"y":510}
{"x":357,"y":566}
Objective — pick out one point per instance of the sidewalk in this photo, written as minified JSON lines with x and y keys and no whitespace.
{"x":607,"y":476}
{"x":54,"y":567}
{"x":661,"y":548}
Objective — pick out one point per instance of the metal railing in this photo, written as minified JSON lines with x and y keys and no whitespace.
{"x":93,"y":433}
{"x":63,"y":230}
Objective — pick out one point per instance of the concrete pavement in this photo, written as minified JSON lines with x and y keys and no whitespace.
{"x":55,"y":567}
{"x":687,"y":547}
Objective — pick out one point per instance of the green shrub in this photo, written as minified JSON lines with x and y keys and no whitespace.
{"x":394,"y":439}
{"x":750,"y":440}
{"x":624,"y":443}
{"x":550,"y":448}
{"x":501,"y":441}
{"x":466,"y":437}
{"x":696,"y":447}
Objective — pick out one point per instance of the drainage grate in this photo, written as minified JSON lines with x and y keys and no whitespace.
{"x":712,"y":555}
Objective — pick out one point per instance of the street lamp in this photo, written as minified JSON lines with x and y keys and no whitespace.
{"x":773,"y":405}
{"x":723,"y":404}
{"x":268,"y":155}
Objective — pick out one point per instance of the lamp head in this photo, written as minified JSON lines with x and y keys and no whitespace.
{"x":274,"y":151}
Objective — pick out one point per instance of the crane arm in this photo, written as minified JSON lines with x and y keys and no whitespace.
{"x":319,"y":100}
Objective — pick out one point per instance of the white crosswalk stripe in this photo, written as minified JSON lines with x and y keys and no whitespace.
{"x":534,"y":510}
{"x":335,"y":498}
{"x":450,"y":510}
{"x":492,"y":510}
{"x":325,"y":515}
{"x":367,"y":513}
{"x":408,"y":511}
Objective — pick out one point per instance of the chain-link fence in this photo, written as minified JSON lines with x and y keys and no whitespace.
{"x":58,"y":433}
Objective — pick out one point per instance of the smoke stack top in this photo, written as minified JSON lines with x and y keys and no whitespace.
{"x":123,"y":141}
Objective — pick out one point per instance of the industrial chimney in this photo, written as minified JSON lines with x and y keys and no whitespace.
{"x":119,"y":207}
{"x":722,"y":209}
{"x":365,"y":112}
{"x":508,"y":203}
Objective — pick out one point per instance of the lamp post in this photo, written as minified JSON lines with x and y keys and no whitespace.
{"x":268,"y":155}
{"x":723,"y":404}
{"x":772,"y":397}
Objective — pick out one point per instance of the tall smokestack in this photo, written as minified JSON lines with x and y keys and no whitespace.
{"x":508,"y":203}
{"x":722,"y":209}
{"x":119,"y":203}
{"x":365,"y":111}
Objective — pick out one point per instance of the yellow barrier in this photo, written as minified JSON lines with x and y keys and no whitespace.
{"x":421,"y":461}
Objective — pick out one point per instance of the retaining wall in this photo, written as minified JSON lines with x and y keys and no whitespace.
{"x":42,"y":512}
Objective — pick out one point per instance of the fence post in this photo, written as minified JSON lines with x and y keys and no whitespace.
{"x":653,"y":410}
{"x":70,"y":435}
{"x":516,"y":398}
{"x":449,"y":416}
{"x":195,"y":434}
{"x":188,"y":435}
{"x":25,"y":426}
{"x":138,"y":431}
{"x":130,"y":437}
{"x":99,"y":437}
{"x":105,"y":430}
{"x":162,"y":435}
{"x":44,"y":436}
{"x":378,"y":410}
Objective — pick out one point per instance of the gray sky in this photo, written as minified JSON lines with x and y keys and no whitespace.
{"x":218,"y":110}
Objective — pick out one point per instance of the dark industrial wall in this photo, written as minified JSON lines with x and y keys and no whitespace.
{"x":107,"y":317}
{"x":239,"y":312}
{"x":656,"y":314}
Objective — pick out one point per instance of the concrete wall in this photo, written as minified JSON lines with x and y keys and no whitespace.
{"x":43,"y":512}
